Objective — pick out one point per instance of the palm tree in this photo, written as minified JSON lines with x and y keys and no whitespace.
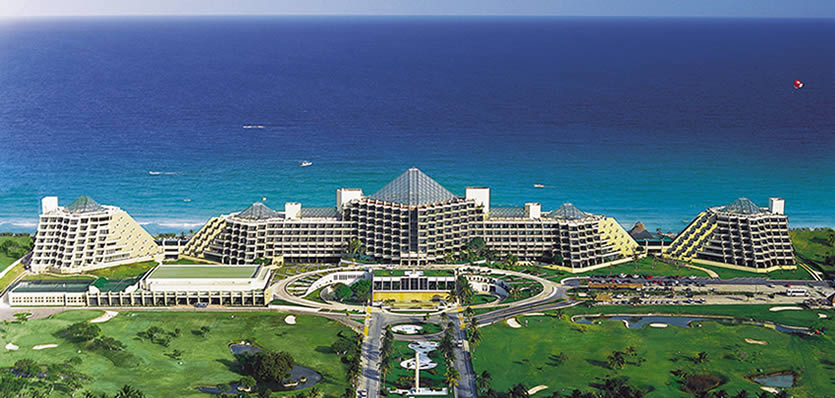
{"x":518,"y":391}
{"x":482,"y":381}
{"x":451,"y":376}
{"x":475,"y":337}
{"x":616,"y":360}
{"x":128,"y":391}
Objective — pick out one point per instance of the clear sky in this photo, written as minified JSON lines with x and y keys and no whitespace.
{"x":652,"y":8}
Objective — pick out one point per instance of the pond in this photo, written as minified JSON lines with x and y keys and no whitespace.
{"x":779,"y":379}
{"x":639,"y":321}
{"x":296,"y":374}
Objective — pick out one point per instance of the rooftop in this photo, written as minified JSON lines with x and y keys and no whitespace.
{"x":743,"y":206}
{"x":258,"y":211}
{"x":413,"y":188}
{"x":84,"y":204}
{"x":204,"y":272}
{"x":40,"y":286}
{"x":568,"y":212}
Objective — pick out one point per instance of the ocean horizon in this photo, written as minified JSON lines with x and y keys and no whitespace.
{"x":641,"y":119}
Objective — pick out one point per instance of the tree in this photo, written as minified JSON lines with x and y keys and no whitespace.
{"x":342,"y":346}
{"x":342,"y":292}
{"x":518,"y":391}
{"x":27,"y":367}
{"x":482,"y":381}
{"x":268,"y":367}
{"x":474,"y":337}
{"x":362,"y":290}
{"x":701,"y":357}
{"x":616,"y":360}
{"x":108,"y":344}
{"x":223,"y":387}
{"x":451,"y":376}
{"x":129,"y":391}
{"x":204,"y":330}
{"x":83,"y":331}
{"x":355,"y":248}
{"x":247,"y":382}
{"x":511,"y":260}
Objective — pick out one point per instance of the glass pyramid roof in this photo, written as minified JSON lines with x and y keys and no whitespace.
{"x":84,"y":204}
{"x":742,"y":206}
{"x":258,"y":211}
{"x":413,"y":188}
{"x":568,"y":212}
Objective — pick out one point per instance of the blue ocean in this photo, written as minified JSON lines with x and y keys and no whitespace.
{"x":642,"y":119}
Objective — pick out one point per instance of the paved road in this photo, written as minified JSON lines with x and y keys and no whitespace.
{"x":370,"y":380}
{"x":466,"y":382}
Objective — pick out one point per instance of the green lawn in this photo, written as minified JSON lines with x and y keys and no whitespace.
{"x":204,"y":271}
{"x":7,"y":259}
{"x":483,"y":299}
{"x":814,"y":245}
{"x":206,"y":361}
{"x":124,"y":271}
{"x":727,"y":273}
{"x":428,"y":378}
{"x":527,"y":355}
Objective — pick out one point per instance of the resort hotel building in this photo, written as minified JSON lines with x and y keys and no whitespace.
{"x":413,"y":221}
{"x":740,"y":235}
{"x":86,"y":235}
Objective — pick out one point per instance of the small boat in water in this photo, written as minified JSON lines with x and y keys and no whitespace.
{"x":538,"y":186}
{"x":253,"y":126}
{"x":305,"y":163}
{"x":187,"y":200}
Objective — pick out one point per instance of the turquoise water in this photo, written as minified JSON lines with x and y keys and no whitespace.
{"x":640,"y":119}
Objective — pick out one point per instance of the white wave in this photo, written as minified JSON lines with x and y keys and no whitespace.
{"x":179,"y":225}
{"x":165,"y":173}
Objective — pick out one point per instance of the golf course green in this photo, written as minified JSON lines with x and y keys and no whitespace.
{"x":565,"y":356}
{"x":205,"y":358}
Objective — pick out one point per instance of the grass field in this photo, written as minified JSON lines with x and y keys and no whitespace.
{"x":814,"y":245}
{"x":6,"y":260}
{"x":727,"y":273}
{"x":206,"y":360}
{"x":528,"y":355}
{"x":204,"y":271}
{"x":483,"y":299}
{"x":124,"y":271}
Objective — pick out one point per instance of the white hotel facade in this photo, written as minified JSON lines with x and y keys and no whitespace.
{"x":413,"y":220}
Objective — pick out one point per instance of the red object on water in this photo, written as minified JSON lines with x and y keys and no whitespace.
{"x":798,"y":84}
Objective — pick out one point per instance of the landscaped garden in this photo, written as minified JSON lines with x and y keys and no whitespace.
{"x":402,"y":378}
{"x":815,"y":246}
{"x":167,"y":354}
{"x":661,"y":361}
{"x":11,"y":249}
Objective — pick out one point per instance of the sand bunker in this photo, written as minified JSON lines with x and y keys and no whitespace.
{"x":290,"y":319}
{"x":537,"y":389}
{"x":752,"y":341}
{"x":822,"y":316}
{"x":658,"y":325}
{"x":512,"y":323}
{"x":44,"y":346}
{"x":770,"y":389}
{"x":11,"y":347}
{"x":108,"y":315}
{"x":775,"y":309}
